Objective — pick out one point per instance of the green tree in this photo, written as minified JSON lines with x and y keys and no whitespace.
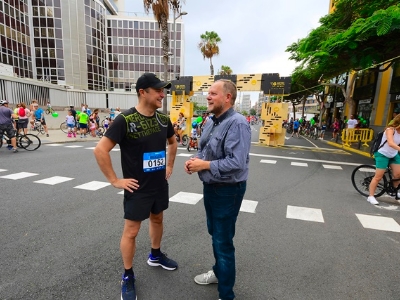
{"x":161,"y":10}
{"x":197,"y":107}
{"x":356,"y":36}
{"x":209,"y":46}
{"x":225,"y":70}
{"x":253,"y":112}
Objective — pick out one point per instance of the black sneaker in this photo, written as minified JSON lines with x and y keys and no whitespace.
{"x":162,"y":261}
{"x":128,"y":291}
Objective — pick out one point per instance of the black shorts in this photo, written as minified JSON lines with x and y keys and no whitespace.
{"x":43,"y":122}
{"x":296,"y":130}
{"x":22,"y":123}
{"x":138,"y":205}
{"x":8,"y":129}
{"x":83,"y":126}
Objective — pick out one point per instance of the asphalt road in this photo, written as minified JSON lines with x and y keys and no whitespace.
{"x":61,"y":241}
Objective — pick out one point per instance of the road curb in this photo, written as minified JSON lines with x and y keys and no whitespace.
{"x":366,"y":154}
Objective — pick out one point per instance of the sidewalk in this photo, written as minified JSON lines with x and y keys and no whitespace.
{"x":57,"y":136}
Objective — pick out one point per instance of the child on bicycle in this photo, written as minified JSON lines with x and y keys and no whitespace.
{"x":387,"y":155}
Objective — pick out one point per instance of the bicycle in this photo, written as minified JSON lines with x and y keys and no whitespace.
{"x":361,"y":178}
{"x":37,"y":126}
{"x":49,"y":110}
{"x":193,"y":143}
{"x":29,"y":142}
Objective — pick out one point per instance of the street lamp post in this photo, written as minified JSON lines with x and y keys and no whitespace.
{"x":182,"y":13}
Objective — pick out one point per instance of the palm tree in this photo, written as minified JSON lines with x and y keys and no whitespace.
{"x":209,"y":46}
{"x":160,"y":10}
{"x":225,"y":70}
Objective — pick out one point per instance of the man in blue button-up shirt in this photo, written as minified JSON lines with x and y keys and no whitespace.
{"x":223,"y":165}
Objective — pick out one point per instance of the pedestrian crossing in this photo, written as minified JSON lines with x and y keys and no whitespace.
{"x":293,"y":213}
{"x":297,"y":162}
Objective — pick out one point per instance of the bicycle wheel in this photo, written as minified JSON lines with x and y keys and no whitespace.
{"x":361,"y":178}
{"x":40,"y":128}
{"x":185,"y":140}
{"x":29,"y":142}
{"x":64,"y":127}
{"x":47,"y":111}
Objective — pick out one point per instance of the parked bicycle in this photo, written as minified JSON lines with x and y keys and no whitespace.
{"x":362,"y":176}
{"x":29,"y":142}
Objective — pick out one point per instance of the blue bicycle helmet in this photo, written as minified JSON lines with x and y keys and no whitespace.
{"x":194,"y":124}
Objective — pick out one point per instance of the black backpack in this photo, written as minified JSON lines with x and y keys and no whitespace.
{"x":376,"y":143}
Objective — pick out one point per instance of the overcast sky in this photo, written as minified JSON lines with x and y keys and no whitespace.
{"x":254,"y":33}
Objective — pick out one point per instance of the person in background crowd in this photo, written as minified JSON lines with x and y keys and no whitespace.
{"x":83,"y":120}
{"x":336,"y":129}
{"x":23,"y":118}
{"x":6,"y":124}
{"x":70,"y":120}
{"x":296,"y":126}
{"x":323,"y":129}
{"x":38,"y":115}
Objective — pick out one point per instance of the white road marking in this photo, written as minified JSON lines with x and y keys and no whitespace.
{"x":187,"y":198}
{"x":54,"y":180}
{"x":92,"y":185}
{"x":115,"y":149}
{"x":3,"y":170}
{"x":370,"y":170}
{"x":249,"y":206}
{"x":185,"y":154}
{"x":121,"y":192}
{"x":332,"y":167}
{"x":378,"y":223}
{"x":19,"y":175}
{"x":54,"y":145}
{"x":299,"y":164}
{"x":305,"y":159}
{"x":90,"y":148}
{"x":304,"y":213}
{"x":74,"y":146}
{"x":267,"y":161}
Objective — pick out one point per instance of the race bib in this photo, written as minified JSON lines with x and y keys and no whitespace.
{"x":153,"y":161}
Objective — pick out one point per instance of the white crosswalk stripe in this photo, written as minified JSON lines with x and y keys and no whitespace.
{"x":267,"y":161}
{"x":3,"y":170}
{"x":19,"y":175}
{"x":378,"y":223}
{"x":186,"y":198}
{"x":74,"y":146}
{"x":332,"y":167}
{"x":92,"y":185}
{"x":299,"y":164}
{"x":304,"y":213}
{"x":54,"y":180}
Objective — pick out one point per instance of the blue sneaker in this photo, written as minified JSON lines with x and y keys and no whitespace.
{"x":162,"y":261}
{"x":128,"y":291}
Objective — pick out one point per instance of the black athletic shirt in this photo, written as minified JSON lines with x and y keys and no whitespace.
{"x":142,"y":141}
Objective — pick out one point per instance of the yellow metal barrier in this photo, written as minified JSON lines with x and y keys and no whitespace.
{"x":355,"y":135}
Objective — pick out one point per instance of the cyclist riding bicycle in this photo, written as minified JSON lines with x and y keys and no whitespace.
{"x":6,"y":123}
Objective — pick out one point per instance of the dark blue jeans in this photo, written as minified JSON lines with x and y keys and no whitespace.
{"x":222,"y":204}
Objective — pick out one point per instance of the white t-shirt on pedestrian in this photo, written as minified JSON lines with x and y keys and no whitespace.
{"x":351,"y":123}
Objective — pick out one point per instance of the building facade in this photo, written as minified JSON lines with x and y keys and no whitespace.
{"x":83,"y":44}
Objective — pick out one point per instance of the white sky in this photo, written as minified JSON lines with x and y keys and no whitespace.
{"x":254,"y":33}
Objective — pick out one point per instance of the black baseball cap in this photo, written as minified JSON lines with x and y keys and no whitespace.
{"x":150,"y":80}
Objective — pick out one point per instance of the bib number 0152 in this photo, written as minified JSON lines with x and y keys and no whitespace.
{"x":153,"y":161}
